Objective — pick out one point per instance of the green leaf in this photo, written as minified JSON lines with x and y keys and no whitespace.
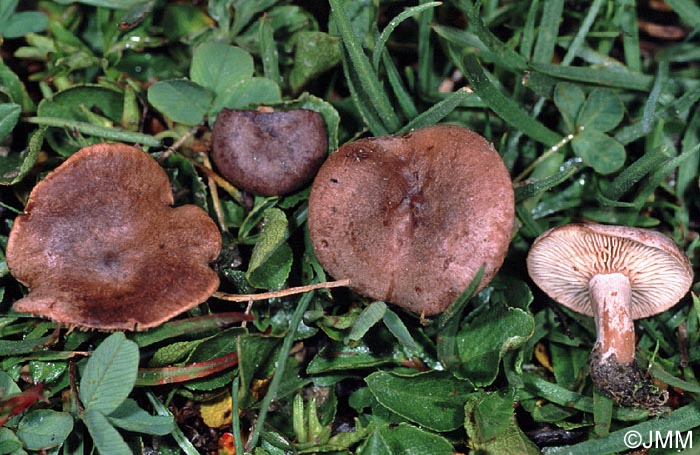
{"x":272,"y":234}
{"x":314,"y":53}
{"x":494,"y":430}
{"x":131,"y":417}
{"x":248,"y":93}
{"x":244,"y":12}
{"x":483,"y":341}
{"x":602,"y":111}
{"x":10,"y":443}
{"x":9,"y":115}
{"x":11,"y":85}
{"x":268,"y":50}
{"x":217,"y":66}
{"x":106,"y":438}
{"x":76,"y":103}
{"x":434,"y":400}
{"x":80,"y":103}
{"x":397,"y":328}
{"x":569,"y":99}
{"x":183,"y":101}
{"x":600,"y":151}
{"x":24,"y":22}
{"x":488,"y":415}
{"x":44,"y":429}
{"x":405,"y":439}
{"x":111,"y":4}
{"x":183,"y":19}
{"x":110,"y":374}
{"x":25,"y":346}
{"x":273,"y":273}
{"x":366,"y":320}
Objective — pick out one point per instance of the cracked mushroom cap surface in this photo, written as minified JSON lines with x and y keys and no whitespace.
{"x":99,"y":245}
{"x":563,"y":260}
{"x":269,"y":153}
{"x":410,"y":219}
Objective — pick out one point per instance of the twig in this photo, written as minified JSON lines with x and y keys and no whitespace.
{"x":277,"y":294}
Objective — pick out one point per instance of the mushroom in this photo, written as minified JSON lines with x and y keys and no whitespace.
{"x":410,"y":219}
{"x":100,"y":246}
{"x":269,"y":153}
{"x":616,"y":274}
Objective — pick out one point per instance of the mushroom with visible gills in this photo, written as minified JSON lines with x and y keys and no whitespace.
{"x":411,"y":219}
{"x":100,"y":246}
{"x":616,"y":274}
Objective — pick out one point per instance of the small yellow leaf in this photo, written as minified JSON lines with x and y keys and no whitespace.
{"x":542,"y":356}
{"x":217,"y":413}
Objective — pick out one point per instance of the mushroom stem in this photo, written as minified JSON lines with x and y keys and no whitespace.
{"x":612,"y":365}
{"x":611,"y":295}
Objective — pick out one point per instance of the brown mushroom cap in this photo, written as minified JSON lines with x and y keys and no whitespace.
{"x":410,"y":219}
{"x":269,"y":153}
{"x":100,"y":246}
{"x":563,"y":260}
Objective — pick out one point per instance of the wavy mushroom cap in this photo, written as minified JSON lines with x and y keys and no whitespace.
{"x":563,"y":260}
{"x":410,"y":219}
{"x":100,"y":246}
{"x":269,"y":153}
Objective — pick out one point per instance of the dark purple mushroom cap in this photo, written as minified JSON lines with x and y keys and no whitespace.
{"x":410,"y":219}
{"x":100,"y":246}
{"x":269,"y":153}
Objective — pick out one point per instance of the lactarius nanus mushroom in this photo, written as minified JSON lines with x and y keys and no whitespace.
{"x":100,"y":246}
{"x":410,"y":219}
{"x":616,"y":274}
{"x":269,"y":153}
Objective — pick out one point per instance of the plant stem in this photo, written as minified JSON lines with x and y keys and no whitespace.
{"x":280,"y":364}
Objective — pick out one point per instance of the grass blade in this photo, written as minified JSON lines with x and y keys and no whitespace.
{"x":177,"y":434}
{"x":503,"y":55}
{"x":391,"y":26}
{"x":528,"y":40}
{"x":359,"y":64}
{"x":369,"y":116}
{"x":688,"y":11}
{"x":114,"y":134}
{"x":503,"y":106}
{"x":598,"y":76}
{"x":650,"y":106}
{"x":582,"y":32}
{"x":681,"y":420}
{"x":425,"y":53}
{"x":408,"y":107}
{"x":547,"y":183}
{"x":630,"y":34}
{"x":634,"y":173}
{"x":438,"y":111}
{"x":549,"y":30}
{"x":280,"y":365}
